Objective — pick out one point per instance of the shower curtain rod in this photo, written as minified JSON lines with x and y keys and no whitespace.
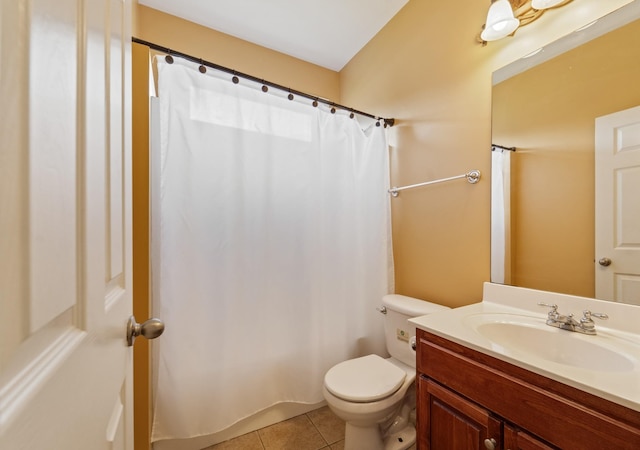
{"x":472,"y":177}
{"x":235,"y":73}
{"x":502,"y":147}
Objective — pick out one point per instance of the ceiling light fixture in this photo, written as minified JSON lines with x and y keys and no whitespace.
{"x":506,"y":16}
{"x":500,"y":21}
{"x":545,"y":4}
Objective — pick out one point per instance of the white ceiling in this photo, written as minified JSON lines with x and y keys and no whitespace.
{"x":324,"y":32}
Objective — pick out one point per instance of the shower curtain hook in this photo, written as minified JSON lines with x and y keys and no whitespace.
{"x":169,"y":58}
{"x":202,"y":67}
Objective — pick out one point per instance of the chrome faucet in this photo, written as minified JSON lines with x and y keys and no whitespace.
{"x":586,"y":325}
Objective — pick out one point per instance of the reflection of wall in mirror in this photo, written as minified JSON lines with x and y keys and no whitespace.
{"x":548,"y":113}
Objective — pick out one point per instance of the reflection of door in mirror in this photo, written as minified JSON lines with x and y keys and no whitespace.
{"x":617,"y":206}
{"x":548,"y":113}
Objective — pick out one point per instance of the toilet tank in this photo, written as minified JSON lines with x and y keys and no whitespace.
{"x":398,"y":331}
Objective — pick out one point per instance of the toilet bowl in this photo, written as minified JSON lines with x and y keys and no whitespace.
{"x":366,"y":417}
{"x":376,"y":396}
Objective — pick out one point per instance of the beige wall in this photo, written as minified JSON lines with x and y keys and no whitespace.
{"x":140,"y":210}
{"x":430,"y":85}
{"x":186,"y":37}
{"x":426,"y":70}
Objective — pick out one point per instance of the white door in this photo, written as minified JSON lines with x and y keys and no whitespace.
{"x":65,"y":225}
{"x":618,"y":206}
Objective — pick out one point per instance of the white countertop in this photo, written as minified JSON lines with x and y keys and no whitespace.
{"x":621,"y":334}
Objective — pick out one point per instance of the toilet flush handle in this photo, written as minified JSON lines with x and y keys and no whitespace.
{"x":382,"y":309}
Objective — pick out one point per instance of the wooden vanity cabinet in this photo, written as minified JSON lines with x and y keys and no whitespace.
{"x":452,"y":421}
{"x":456,"y":423}
{"x":466,"y":397}
{"x":515,"y":439}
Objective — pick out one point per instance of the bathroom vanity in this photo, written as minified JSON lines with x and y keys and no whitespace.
{"x":494,"y":375}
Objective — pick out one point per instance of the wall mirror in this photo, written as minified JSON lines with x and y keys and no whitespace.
{"x":543,"y":194}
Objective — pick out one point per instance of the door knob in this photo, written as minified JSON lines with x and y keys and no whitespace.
{"x":150,"y":329}
{"x":604,"y":262}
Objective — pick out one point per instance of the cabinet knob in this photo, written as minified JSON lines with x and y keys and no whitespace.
{"x":490,"y":444}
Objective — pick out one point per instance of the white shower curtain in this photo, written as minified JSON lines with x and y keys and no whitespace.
{"x":501,"y":216}
{"x":271,"y":248}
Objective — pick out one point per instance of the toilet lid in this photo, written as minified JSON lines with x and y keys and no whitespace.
{"x":364,"y":379}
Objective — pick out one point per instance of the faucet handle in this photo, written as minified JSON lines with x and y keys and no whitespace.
{"x":587,"y":323}
{"x":554,"y":308}
{"x":587,"y":315}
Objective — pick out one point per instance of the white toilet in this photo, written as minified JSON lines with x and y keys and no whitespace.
{"x":376,"y":396}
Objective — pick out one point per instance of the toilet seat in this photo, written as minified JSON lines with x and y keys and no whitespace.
{"x":364,"y":379}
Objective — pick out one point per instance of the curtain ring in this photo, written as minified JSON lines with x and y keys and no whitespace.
{"x":290,"y":96}
{"x":265,"y":88}
{"x":377,"y":121}
{"x":352,"y":115}
{"x":333,"y":110}
{"x":169,"y":58}
{"x":235,"y":79}
{"x":315,"y":103}
{"x":202,"y":67}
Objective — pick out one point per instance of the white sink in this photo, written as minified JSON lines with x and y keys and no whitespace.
{"x":525,"y":334}
{"x":509,"y":325}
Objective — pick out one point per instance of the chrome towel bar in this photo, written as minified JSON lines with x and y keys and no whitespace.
{"x":472,"y":177}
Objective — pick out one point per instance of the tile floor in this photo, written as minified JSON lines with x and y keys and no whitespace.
{"x":316,"y":430}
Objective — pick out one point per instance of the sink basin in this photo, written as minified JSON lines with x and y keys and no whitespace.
{"x":511,"y":333}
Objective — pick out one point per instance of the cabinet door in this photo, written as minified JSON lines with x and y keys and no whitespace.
{"x":450,"y":422}
{"x":515,"y":439}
